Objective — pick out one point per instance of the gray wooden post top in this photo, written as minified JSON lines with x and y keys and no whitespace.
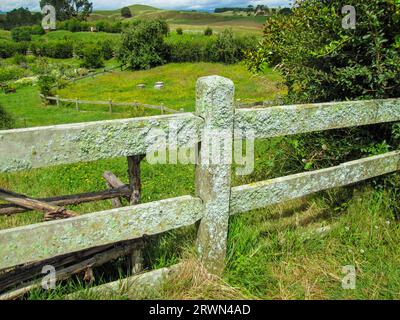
{"x":214,"y":101}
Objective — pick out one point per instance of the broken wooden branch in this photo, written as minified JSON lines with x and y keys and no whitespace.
{"x":52,"y":212}
{"x":10,"y":209}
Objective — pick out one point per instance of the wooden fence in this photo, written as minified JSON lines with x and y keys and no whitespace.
{"x":215,"y":201}
{"x":110,"y":103}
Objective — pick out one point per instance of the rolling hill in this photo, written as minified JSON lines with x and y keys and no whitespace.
{"x":186,"y":19}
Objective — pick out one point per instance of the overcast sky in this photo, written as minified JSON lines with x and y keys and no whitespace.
{"x":6,"y":5}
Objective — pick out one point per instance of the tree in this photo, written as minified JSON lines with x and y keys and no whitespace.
{"x":321,"y":59}
{"x":20,"y":17}
{"x":67,"y":9}
{"x":142,"y":45}
{"x":126,"y":12}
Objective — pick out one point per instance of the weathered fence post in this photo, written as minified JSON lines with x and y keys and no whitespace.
{"x":110,"y":106}
{"x":58,"y":100}
{"x":215,"y":104}
{"x":135,"y":183}
{"x":77,"y":104}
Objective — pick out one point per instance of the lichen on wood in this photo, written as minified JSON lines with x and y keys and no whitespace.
{"x":262,"y":194}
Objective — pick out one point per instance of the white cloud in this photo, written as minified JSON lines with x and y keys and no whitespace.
{"x":6,"y":5}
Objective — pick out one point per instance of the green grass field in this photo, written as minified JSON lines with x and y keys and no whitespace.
{"x":180,"y":81}
{"x":292,"y":251}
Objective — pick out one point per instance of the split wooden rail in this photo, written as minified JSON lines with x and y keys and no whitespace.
{"x":215,"y":200}
{"x":110,"y":103}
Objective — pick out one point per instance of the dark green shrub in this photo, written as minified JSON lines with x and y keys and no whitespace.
{"x":46,"y":83}
{"x":107,"y":49}
{"x":195,"y":48}
{"x":179,"y":31}
{"x":91,"y":57}
{"x":208,"y":32}
{"x":6,"y":121}
{"x":20,"y":34}
{"x":60,"y":49}
{"x":192,"y":48}
{"x":22,"y":47}
{"x":126,"y":12}
{"x":116,"y":27}
{"x":231,"y":49}
{"x":20,"y":59}
{"x":37,"y":30}
{"x":74,"y":25}
{"x":7,"y":49}
{"x":142,"y":45}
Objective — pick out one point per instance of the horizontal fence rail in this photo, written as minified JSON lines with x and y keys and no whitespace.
{"x":262,"y":194}
{"x":50,"y":239}
{"x":30,"y":148}
{"x":113,"y":104}
{"x":290,"y":120}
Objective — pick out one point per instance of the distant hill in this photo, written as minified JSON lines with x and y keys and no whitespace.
{"x":182,"y":17}
{"x":136,"y":9}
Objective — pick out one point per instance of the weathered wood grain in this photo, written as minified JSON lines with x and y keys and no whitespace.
{"x":215,"y":103}
{"x":23,"y":149}
{"x":46,"y":240}
{"x":289,"y":120}
{"x":262,"y":194}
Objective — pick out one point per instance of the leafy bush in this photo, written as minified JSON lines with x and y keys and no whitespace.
{"x":22,"y":48}
{"x":226,"y":47}
{"x":208,"y":32}
{"x":179,"y":31}
{"x":6,"y":121}
{"x":231,"y":49}
{"x":105,"y":26}
{"x":142,"y":45}
{"x":92,"y":57}
{"x":7,"y":49}
{"x":126,"y":12}
{"x":107,"y":49}
{"x":20,"y":34}
{"x":8,"y":73}
{"x":61,"y":49}
{"x":46,"y":83}
{"x":20,"y":59}
{"x":196,"y":48}
{"x":192,"y":48}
